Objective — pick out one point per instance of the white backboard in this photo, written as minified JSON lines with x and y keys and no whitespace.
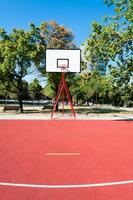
{"x":56,"y":59}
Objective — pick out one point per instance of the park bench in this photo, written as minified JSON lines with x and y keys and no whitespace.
{"x":49,"y":106}
{"x":10,"y":107}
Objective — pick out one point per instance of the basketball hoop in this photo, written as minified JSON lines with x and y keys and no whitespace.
{"x":64,"y":69}
{"x":60,"y":60}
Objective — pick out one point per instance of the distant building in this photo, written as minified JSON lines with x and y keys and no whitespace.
{"x":102,"y":68}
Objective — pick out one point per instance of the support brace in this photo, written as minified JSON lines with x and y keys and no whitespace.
{"x":62,"y":89}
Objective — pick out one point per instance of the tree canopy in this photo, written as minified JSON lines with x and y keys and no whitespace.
{"x":112,"y":44}
{"x":23,"y":51}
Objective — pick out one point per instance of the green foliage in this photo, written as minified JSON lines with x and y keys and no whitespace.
{"x":48,"y":92}
{"x":18,"y":50}
{"x":112,"y":44}
{"x":35,"y":89}
{"x":22,"y":50}
{"x":112,"y":39}
{"x":3,"y":92}
{"x":9,"y":89}
{"x":91,"y":87}
{"x":59,"y":37}
{"x":51,"y":35}
{"x":123,"y":9}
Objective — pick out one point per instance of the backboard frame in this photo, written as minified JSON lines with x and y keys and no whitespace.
{"x":63,"y":59}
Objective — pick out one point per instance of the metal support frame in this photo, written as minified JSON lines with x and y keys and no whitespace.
{"x":62,"y":89}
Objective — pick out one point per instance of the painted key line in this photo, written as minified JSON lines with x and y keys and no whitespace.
{"x":62,"y":154}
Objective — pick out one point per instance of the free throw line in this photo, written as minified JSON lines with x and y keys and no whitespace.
{"x":62,"y":154}
{"x":67,"y":186}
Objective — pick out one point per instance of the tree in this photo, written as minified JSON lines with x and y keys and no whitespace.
{"x":48,"y":92}
{"x":53,"y":36}
{"x":113,"y":44}
{"x":35,"y":89}
{"x":91,"y":87}
{"x":78,"y":89}
{"x":21,"y":51}
{"x":17,"y":51}
{"x":8,"y":90}
{"x":123,"y":73}
{"x":3,"y":92}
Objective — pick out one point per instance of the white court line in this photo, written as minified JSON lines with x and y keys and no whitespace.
{"x":67,"y":186}
{"x":62,"y":154}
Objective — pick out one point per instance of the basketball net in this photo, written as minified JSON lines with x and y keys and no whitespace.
{"x":63,"y":90}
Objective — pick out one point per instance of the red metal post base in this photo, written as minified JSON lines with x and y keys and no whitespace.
{"x":63,"y":88}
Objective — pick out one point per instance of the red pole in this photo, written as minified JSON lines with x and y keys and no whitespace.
{"x":69,"y":99}
{"x":63,"y":75}
{"x":63,"y":88}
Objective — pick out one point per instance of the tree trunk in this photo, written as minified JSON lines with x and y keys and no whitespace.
{"x":20,"y":94}
{"x":21,"y":104}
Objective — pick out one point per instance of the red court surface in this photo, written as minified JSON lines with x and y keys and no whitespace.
{"x":66,"y":160}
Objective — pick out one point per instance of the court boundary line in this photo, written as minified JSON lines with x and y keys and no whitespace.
{"x":104,"y":184}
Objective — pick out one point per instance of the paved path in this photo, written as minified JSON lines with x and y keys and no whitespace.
{"x":67,"y":116}
{"x":119,"y":113}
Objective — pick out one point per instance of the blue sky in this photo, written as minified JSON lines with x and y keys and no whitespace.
{"x":76,"y":15}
